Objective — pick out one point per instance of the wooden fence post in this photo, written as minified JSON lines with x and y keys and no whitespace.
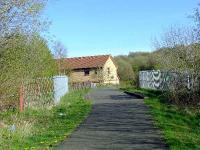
{"x":21,"y":98}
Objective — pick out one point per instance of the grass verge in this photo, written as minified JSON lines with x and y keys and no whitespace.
{"x":180,"y":126}
{"x":44,"y":128}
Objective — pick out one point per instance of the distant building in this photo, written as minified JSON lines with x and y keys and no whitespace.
{"x":96,"y":69}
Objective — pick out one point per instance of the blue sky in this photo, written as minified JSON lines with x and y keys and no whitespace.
{"x":92,"y":27}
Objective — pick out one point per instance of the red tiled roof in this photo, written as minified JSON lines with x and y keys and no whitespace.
{"x":87,"y":62}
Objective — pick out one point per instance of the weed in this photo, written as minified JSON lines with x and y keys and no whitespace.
{"x":179,"y":125}
{"x":44,"y":128}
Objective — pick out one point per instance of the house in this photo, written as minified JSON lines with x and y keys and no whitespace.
{"x":96,"y":69}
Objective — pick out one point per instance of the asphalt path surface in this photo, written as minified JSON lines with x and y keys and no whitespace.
{"x":117,"y":122}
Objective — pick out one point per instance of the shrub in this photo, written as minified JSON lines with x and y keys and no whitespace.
{"x":23,"y":58}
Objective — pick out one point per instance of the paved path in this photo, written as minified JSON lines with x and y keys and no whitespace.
{"x":118,"y":122}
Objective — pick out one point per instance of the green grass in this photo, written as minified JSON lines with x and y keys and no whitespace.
{"x":180,"y":126}
{"x":44,"y":129}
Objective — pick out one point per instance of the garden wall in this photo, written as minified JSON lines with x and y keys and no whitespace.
{"x":158,"y":80}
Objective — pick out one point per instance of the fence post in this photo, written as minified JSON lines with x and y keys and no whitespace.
{"x":60,"y":87}
{"x":21,"y":98}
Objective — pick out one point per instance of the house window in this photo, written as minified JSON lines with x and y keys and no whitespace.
{"x":86,"y":72}
{"x":108,"y":69}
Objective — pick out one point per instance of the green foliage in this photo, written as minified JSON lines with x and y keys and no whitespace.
{"x":23,"y":53}
{"x":24,"y":57}
{"x":125,"y":70}
{"x":145,"y":92}
{"x":44,"y":128}
{"x":142,"y":61}
{"x":130,"y":65}
{"x":180,"y":126}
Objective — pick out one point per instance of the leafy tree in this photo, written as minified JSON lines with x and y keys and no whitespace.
{"x":130,"y":65}
{"x":125,"y":70}
{"x":23,"y":59}
{"x":141,"y":61}
{"x":23,"y":53}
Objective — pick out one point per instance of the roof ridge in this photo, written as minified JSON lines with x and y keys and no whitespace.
{"x":87,"y":61}
{"x":93,"y":56}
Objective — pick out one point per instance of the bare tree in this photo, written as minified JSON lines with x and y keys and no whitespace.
{"x":20,"y":16}
{"x":16,"y":15}
{"x":196,"y":18}
{"x":60,"y":53}
{"x":180,"y":53}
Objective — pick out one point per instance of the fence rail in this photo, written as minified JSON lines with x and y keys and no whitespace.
{"x":82,"y":85}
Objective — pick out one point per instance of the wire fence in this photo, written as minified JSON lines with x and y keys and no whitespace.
{"x":9,"y":92}
{"x":7,"y":102}
{"x":38,"y":92}
{"x":34,"y":93}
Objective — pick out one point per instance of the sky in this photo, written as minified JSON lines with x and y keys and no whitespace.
{"x":96,"y":27}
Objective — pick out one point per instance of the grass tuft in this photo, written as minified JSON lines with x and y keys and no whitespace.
{"x":44,"y":128}
{"x":179,"y":125}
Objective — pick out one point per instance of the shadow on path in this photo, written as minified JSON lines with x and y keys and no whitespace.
{"x":117,"y":122}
